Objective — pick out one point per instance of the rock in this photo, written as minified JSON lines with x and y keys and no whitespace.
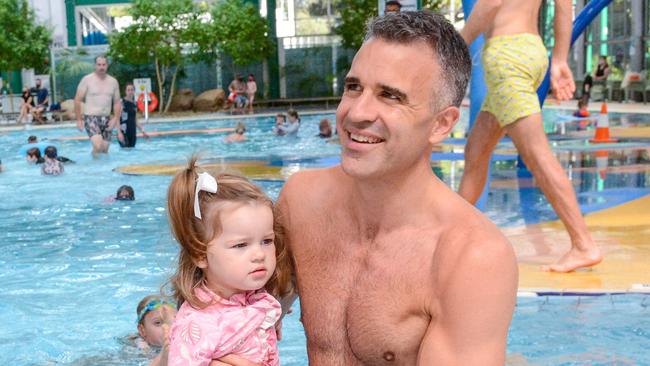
{"x":209,"y":101}
{"x":182,"y":100}
{"x":67,"y":109}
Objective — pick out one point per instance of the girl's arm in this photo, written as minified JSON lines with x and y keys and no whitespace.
{"x":233,"y":360}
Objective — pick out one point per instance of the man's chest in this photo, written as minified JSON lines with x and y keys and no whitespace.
{"x":366,"y":304}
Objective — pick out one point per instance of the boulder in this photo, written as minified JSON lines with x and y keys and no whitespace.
{"x":67,"y":109}
{"x":182,"y":100}
{"x":209,"y":101}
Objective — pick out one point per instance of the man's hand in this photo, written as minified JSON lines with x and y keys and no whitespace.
{"x":120,"y":135}
{"x":80,"y":124}
{"x":562,"y":80}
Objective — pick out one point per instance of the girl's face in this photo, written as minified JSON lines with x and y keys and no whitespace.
{"x":242,"y":257}
{"x":151,"y":328}
{"x":130,"y":91}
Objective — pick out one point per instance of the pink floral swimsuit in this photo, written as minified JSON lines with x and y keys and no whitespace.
{"x":243,"y":325}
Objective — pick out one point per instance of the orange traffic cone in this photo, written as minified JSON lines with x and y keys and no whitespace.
{"x":602,"y":127}
{"x":602,"y":163}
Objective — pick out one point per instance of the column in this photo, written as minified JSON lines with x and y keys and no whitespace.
{"x":636,"y":51}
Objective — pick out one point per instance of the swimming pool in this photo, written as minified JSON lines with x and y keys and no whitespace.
{"x":74,"y":266}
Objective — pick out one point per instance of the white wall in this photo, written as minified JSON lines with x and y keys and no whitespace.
{"x":52,"y":14}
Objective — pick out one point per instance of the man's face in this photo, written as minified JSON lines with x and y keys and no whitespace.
{"x":387,"y":112}
{"x":101,"y":65}
{"x":392,"y":8}
{"x":38,"y":83}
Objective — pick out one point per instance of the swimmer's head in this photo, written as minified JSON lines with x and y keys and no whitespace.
{"x":125,"y":193}
{"x":325,"y":127}
{"x":193,"y":234}
{"x":280,"y":118}
{"x":32,"y":139}
{"x":240,"y":128}
{"x":293,"y":115}
{"x":51,"y":152}
{"x":33,"y":154}
{"x":153,"y":312}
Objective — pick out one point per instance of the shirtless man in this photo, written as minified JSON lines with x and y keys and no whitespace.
{"x":100,"y":91}
{"x":392,"y":266}
{"x":515,"y":63}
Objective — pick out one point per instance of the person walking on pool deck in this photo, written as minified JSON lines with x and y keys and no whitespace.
{"x":392,"y":266}
{"x":100,"y":91}
{"x":515,"y":63}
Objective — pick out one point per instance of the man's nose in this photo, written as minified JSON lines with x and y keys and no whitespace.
{"x":363,"y":108}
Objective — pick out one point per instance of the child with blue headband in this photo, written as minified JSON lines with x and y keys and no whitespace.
{"x":155,"y":316}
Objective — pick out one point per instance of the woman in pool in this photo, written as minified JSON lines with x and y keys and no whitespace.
{"x":229,"y":258}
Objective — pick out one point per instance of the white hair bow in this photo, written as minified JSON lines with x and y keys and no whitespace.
{"x":205,"y":182}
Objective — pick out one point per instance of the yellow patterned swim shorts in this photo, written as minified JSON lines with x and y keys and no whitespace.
{"x":514,"y":67}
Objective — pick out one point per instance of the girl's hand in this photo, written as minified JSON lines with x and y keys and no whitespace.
{"x":233,"y":360}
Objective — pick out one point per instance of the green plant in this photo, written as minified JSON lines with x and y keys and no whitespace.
{"x":23,"y":42}
{"x":166,"y":33}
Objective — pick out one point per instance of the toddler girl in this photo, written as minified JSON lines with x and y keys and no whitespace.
{"x":227,"y":261}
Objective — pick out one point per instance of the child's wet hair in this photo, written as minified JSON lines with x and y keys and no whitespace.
{"x":34,"y":152}
{"x":193,"y":234}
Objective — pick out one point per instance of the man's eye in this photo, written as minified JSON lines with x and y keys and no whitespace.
{"x":391,"y":96}
{"x":352,"y":87}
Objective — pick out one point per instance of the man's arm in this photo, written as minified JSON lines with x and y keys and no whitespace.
{"x":561,"y":76}
{"x":81,"y":94}
{"x":470,"y":319}
{"x":480,"y":20}
{"x":117,"y":108}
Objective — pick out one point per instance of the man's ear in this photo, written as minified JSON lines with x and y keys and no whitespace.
{"x":446,"y":119}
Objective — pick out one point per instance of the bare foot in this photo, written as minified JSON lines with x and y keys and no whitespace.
{"x":574,"y":259}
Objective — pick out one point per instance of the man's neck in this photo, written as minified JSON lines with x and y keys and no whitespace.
{"x":393,"y":201}
{"x":100,"y":76}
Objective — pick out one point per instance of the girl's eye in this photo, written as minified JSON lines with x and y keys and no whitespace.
{"x":157,"y":323}
{"x":267,"y":242}
{"x":240,"y":245}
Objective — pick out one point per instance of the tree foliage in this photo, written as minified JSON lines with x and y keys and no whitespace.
{"x":170,"y":33}
{"x":355,"y":15}
{"x":166,"y":33}
{"x":23,"y":42}
{"x":241,"y":32}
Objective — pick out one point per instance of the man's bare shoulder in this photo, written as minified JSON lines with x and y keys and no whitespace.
{"x":311,"y":184}
{"x":474,"y":245}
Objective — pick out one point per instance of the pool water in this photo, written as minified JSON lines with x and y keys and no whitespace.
{"x":74,"y":266}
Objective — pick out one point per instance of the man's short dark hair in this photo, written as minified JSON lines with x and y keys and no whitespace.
{"x":393,"y":2}
{"x":31,"y":139}
{"x":448,"y":46}
{"x":101,"y":56}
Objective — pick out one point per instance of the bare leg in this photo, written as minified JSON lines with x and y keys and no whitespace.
{"x":98,"y":145}
{"x":482,"y":139}
{"x":528,"y":135}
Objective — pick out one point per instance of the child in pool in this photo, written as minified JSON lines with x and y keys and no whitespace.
{"x":229,"y":258}
{"x":582,"y":111}
{"x":155,"y":316}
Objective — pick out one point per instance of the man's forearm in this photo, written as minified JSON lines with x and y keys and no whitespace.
{"x":77,"y":109}
{"x":562,"y":29}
